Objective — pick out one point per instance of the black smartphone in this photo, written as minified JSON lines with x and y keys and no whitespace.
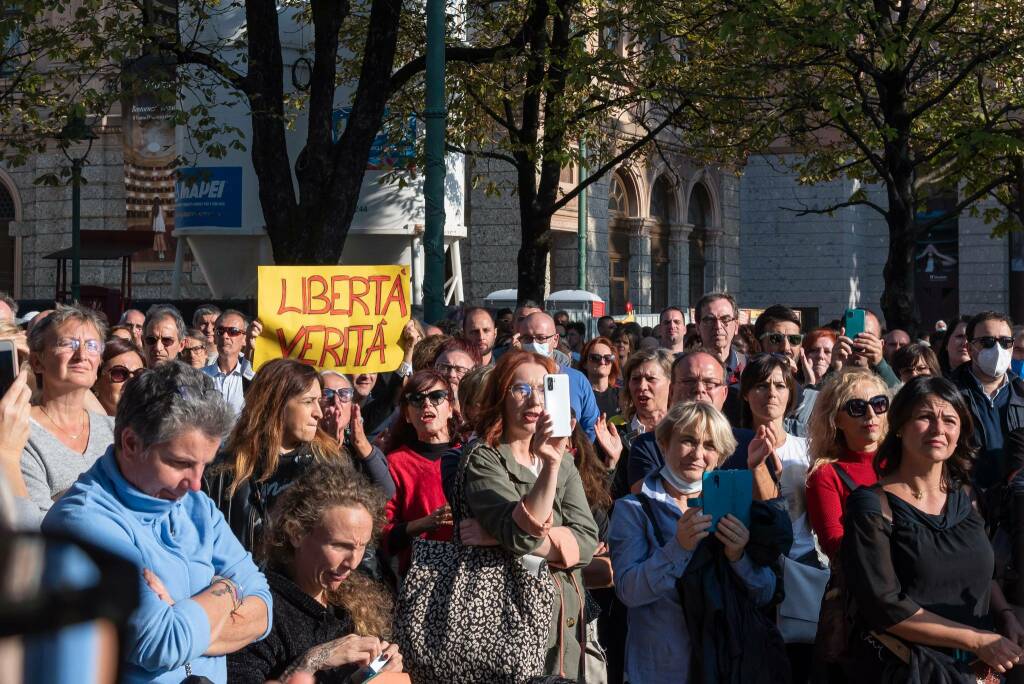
{"x":8,"y":365}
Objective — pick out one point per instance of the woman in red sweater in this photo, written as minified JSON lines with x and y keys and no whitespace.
{"x":846,"y":427}
{"x":421,"y":434}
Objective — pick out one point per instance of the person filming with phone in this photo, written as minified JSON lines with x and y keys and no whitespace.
{"x":658,"y":535}
{"x":525,"y":495}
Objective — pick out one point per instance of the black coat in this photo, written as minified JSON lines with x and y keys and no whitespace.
{"x":300,"y":623}
{"x":733,"y":641}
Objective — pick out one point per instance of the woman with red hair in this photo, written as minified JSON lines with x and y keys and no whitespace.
{"x":524,"y":491}
{"x":818,"y":345}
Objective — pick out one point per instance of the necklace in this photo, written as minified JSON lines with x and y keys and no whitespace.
{"x":64,"y":430}
{"x":919,"y":493}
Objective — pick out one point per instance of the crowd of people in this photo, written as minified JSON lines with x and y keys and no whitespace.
{"x":283,"y":519}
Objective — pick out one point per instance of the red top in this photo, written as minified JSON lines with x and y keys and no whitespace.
{"x":418,"y":493}
{"x":826,"y":496}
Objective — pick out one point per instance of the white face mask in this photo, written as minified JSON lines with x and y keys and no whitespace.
{"x":683,"y":486}
{"x":995,"y":361}
{"x":537,"y":348}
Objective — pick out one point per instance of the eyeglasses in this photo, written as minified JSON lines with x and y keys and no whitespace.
{"x":344,"y":395}
{"x":529,"y":339}
{"x":70,"y":345}
{"x":419,"y":399}
{"x":120,"y":374}
{"x":988,"y":341}
{"x":855,"y":408}
{"x":229,"y":331}
{"x":446,"y":368}
{"x":777,"y":338}
{"x":189,"y":351}
{"x":708,"y":383}
{"x":713,"y":322}
{"x":151,"y":340}
{"x":600,"y":358}
{"x":523,"y":391}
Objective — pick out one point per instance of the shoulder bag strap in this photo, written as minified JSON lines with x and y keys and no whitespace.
{"x":460,"y":510}
{"x":645,"y":503}
{"x":896,"y":646}
{"x":845,"y":477}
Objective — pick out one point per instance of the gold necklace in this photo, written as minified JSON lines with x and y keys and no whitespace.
{"x":919,"y":493}
{"x":64,"y":430}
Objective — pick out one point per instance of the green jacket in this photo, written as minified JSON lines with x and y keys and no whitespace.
{"x":495,"y":484}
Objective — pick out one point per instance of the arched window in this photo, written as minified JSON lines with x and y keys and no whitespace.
{"x":663,"y":211}
{"x":622,"y":205}
{"x":7,"y":264}
{"x":698,"y":216}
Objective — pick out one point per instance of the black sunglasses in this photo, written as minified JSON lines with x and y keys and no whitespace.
{"x":121,"y":373}
{"x":777,"y":338}
{"x":151,"y":340}
{"x":599,"y":358}
{"x":419,"y":399}
{"x":988,"y":341}
{"x":230,"y":331}
{"x":856,"y":408}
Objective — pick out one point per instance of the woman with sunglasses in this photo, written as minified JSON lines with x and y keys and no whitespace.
{"x":421,"y":434}
{"x":522,"y":488}
{"x":277,"y":437}
{"x":600,"y":363}
{"x":847,"y":426}
{"x":122,"y":360}
{"x":69,"y":429}
{"x":916,"y":556}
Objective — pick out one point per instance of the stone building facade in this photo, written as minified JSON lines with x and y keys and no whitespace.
{"x":39,"y":223}
{"x":825,"y":264}
{"x":658,"y":233}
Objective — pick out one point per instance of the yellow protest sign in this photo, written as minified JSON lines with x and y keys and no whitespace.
{"x":345,"y":318}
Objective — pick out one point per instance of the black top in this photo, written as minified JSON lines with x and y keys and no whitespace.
{"x":608,"y":401}
{"x":299,"y":624}
{"x":942,"y":563}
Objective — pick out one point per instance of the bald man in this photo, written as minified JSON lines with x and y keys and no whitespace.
{"x":537,"y":334}
{"x":696,"y":376}
{"x":893,"y":341}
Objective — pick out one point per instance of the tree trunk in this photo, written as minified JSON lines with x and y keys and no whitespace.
{"x":898,"y":296}
{"x":312,"y":228}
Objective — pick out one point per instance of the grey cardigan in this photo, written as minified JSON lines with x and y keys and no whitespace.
{"x":49,"y":467}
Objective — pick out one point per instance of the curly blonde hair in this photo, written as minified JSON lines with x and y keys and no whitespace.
{"x":825,"y":442}
{"x":300,"y":509}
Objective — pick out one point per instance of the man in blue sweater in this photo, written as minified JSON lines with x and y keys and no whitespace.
{"x":202,"y":596}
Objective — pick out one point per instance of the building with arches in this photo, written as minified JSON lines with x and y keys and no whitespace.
{"x":659,"y":232}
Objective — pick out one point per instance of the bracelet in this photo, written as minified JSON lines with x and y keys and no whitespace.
{"x":236,"y":601}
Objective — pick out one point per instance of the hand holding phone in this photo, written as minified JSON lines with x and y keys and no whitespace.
{"x":853,"y":323}
{"x":726,"y":492}
{"x":8,"y":365}
{"x":557,"y":404}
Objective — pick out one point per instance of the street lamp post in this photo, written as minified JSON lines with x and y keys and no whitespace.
{"x":433,"y":183}
{"x":76,"y":130}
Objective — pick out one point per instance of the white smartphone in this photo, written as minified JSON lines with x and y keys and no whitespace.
{"x":556,"y":403}
{"x":377,"y":665}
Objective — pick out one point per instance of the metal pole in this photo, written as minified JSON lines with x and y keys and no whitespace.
{"x":581,"y":222}
{"x":76,"y":230}
{"x":433,"y":185}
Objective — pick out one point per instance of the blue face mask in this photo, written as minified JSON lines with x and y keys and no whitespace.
{"x":1017,"y":366}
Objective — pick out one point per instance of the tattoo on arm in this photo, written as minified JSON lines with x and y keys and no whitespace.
{"x":313,"y":661}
